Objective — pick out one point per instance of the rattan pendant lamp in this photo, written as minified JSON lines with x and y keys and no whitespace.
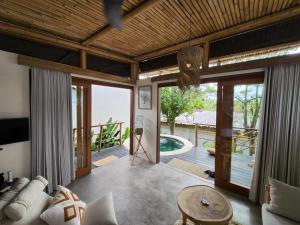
{"x":189,"y":61}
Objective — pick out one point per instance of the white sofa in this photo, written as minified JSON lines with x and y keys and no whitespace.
{"x":280,"y":198}
{"x":273,"y":219}
{"x":99,"y":212}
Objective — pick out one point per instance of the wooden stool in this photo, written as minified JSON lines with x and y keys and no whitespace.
{"x":138,"y":133}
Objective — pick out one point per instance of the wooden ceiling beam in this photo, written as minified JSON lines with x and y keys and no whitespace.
{"x":244,"y":27}
{"x":83,"y":59}
{"x":58,"y":41}
{"x":254,"y":64}
{"x":134,"y":69}
{"x":46,"y":64}
{"x":132,"y":14}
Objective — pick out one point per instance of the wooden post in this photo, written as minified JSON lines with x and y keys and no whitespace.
{"x":205,"y":60}
{"x":73,"y":133}
{"x":135,"y":70}
{"x":79,"y":129}
{"x":120,"y":134}
{"x":234,"y":143}
{"x":100,"y":138}
{"x":83,"y":59}
{"x":196,"y":135}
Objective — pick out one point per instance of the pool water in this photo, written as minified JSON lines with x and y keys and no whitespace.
{"x":168,"y":144}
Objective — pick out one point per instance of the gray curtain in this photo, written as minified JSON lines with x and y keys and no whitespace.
{"x":278,"y":154}
{"x":51,"y":126}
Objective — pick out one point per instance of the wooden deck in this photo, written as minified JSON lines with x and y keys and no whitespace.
{"x":118,"y":151}
{"x":241,"y":173}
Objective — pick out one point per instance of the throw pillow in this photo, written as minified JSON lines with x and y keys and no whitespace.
{"x":66,"y":209}
{"x":284,"y":199}
{"x":100,"y":212}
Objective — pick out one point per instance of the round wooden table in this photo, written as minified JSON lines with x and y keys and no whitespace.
{"x":191,"y":202}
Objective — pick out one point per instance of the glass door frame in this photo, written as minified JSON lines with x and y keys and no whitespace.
{"x":88,"y":108}
{"x":87,"y":126}
{"x":248,"y":78}
{"x":220,"y":163}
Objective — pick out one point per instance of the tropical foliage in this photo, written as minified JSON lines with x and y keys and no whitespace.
{"x":174,"y":102}
{"x":247,"y":102}
{"x":110,"y":136}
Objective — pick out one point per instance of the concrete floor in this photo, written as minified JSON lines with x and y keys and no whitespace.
{"x":145,"y":194}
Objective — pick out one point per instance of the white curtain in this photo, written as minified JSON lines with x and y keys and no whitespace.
{"x":51,"y":126}
{"x":278,"y":154}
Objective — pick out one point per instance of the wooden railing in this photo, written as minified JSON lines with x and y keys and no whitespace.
{"x":244,"y":138}
{"x":102,"y":139}
{"x":248,"y":134}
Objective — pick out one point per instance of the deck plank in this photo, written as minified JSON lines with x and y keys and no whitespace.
{"x":241,"y":173}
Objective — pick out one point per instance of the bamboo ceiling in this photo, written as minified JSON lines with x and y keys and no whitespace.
{"x":164,"y":24}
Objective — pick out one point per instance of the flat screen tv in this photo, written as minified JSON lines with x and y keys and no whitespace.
{"x":14,"y":130}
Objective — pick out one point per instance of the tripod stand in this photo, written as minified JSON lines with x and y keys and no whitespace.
{"x":138,"y":133}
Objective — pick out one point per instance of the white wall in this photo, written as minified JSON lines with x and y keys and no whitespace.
{"x":14,"y":102}
{"x":150,"y":119}
{"x":110,"y":102}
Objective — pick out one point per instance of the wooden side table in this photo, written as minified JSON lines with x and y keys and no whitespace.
{"x":218,"y":210}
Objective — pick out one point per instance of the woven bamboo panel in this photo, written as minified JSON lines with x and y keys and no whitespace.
{"x":167,"y":23}
{"x":162,"y":25}
{"x":72,"y":19}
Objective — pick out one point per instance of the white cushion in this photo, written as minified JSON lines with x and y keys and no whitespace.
{"x":269,"y":218}
{"x":66,"y":209}
{"x":32,"y":216}
{"x":285,"y":200}
{"x":100,"y":212}
{"x":16,"y":210}
{"x":8,"y":196}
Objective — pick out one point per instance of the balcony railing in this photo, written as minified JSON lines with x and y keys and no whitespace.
{"x":102,"y":134}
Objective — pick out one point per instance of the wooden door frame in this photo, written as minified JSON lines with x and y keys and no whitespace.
{"x":256,"y":79}
{"x":116,"y":85}
{"x":232,"y":79}
{"x":87,"y":108}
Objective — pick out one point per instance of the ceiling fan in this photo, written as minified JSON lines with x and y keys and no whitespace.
{"x":113,"y":12}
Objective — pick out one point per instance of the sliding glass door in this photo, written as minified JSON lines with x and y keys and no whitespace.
{"x":81,"y":127}
{"x":238,"y":112}
{"x":246,"y":113}
{"x":230,"y":116}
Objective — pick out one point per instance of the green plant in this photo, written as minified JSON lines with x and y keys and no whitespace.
{"x":110,"y":135}
{"x":248,"y":101}
{"x":174,"y":102}
{"x":126,"y":134}
{"x":209,"y":144}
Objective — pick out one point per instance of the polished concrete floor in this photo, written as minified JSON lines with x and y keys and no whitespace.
{"x":145,"y":194}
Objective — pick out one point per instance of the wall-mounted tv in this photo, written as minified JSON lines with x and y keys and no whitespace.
{"x":14,"y":130}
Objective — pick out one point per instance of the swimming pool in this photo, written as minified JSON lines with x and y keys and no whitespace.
{"x":173,"y":145}
{"x":168,"y":144}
